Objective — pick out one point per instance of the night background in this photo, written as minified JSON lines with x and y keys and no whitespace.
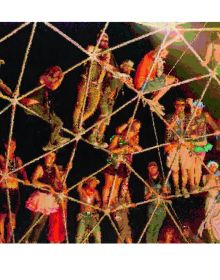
{"x":31,"y":133}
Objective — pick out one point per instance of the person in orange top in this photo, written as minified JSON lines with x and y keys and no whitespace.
{"x":150,"y":77}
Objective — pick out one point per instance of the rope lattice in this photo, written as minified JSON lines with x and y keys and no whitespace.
{"x":16,"y":99}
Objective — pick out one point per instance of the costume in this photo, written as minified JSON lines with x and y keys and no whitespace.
{"x":118,"y":167}
{"x":177,"y":156}
{"x":44,"y":203}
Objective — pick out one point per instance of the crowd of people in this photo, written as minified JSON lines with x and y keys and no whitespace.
{"x":186,"y":146}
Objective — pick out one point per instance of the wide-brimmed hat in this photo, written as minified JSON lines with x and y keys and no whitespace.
{"x":128,"y":63}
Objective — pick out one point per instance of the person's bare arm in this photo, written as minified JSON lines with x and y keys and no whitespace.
{"x":148,"y":194}
{"x":5,"y":88}
{"x":114,"y":143}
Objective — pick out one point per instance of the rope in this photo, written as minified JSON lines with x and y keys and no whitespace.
{"x":14,"y":32}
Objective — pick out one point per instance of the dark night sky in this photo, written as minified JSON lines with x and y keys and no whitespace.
{"x":31,"y":133}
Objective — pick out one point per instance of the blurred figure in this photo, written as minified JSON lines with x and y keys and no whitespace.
{"x":190,"y":236}
{"x":169,"y":235}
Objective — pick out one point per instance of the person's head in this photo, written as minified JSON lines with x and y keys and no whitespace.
{"x":212,"y":166}
{"x":52,"y":77}
{"x":135,"y":124}
{"x":215,"y":36}
{"x":180,"y":105}
{"x":92,"y":182}
{"x":152,"y":169}
{"x":198,"y":106}
{"x":164,"y":53}
{"x":187,"y":231}
{"x":169,"y":234}
{"x":104,"y":41}
{"x":127,"y":66}
{"x":11,"y":147}
{"x":50,"y":159}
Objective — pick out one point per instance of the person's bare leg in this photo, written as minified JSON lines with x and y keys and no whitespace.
{"x":198,"y":169}
{"x":2,"y":228}
{"x":169,"y":81}
{"x":109,"y":179}
{"x":10,"y":227}
{"x":175,"y":176}
{"x":184,"y":182}
{"x":115,"y":190}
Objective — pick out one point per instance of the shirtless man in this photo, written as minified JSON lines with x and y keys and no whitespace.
{"x":9,"y":186}
{"x":88,"y":216}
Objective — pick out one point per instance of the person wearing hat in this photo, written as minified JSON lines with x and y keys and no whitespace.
{"x":210,"y":226}
{"x":88,"y":217}
{"x":196,"y":131}
{"x":41,"y":103}
{"x":90,"y":87}
{"x":178,"y":155}
{"x":157,"y":183}
{"x":112,"y":85}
